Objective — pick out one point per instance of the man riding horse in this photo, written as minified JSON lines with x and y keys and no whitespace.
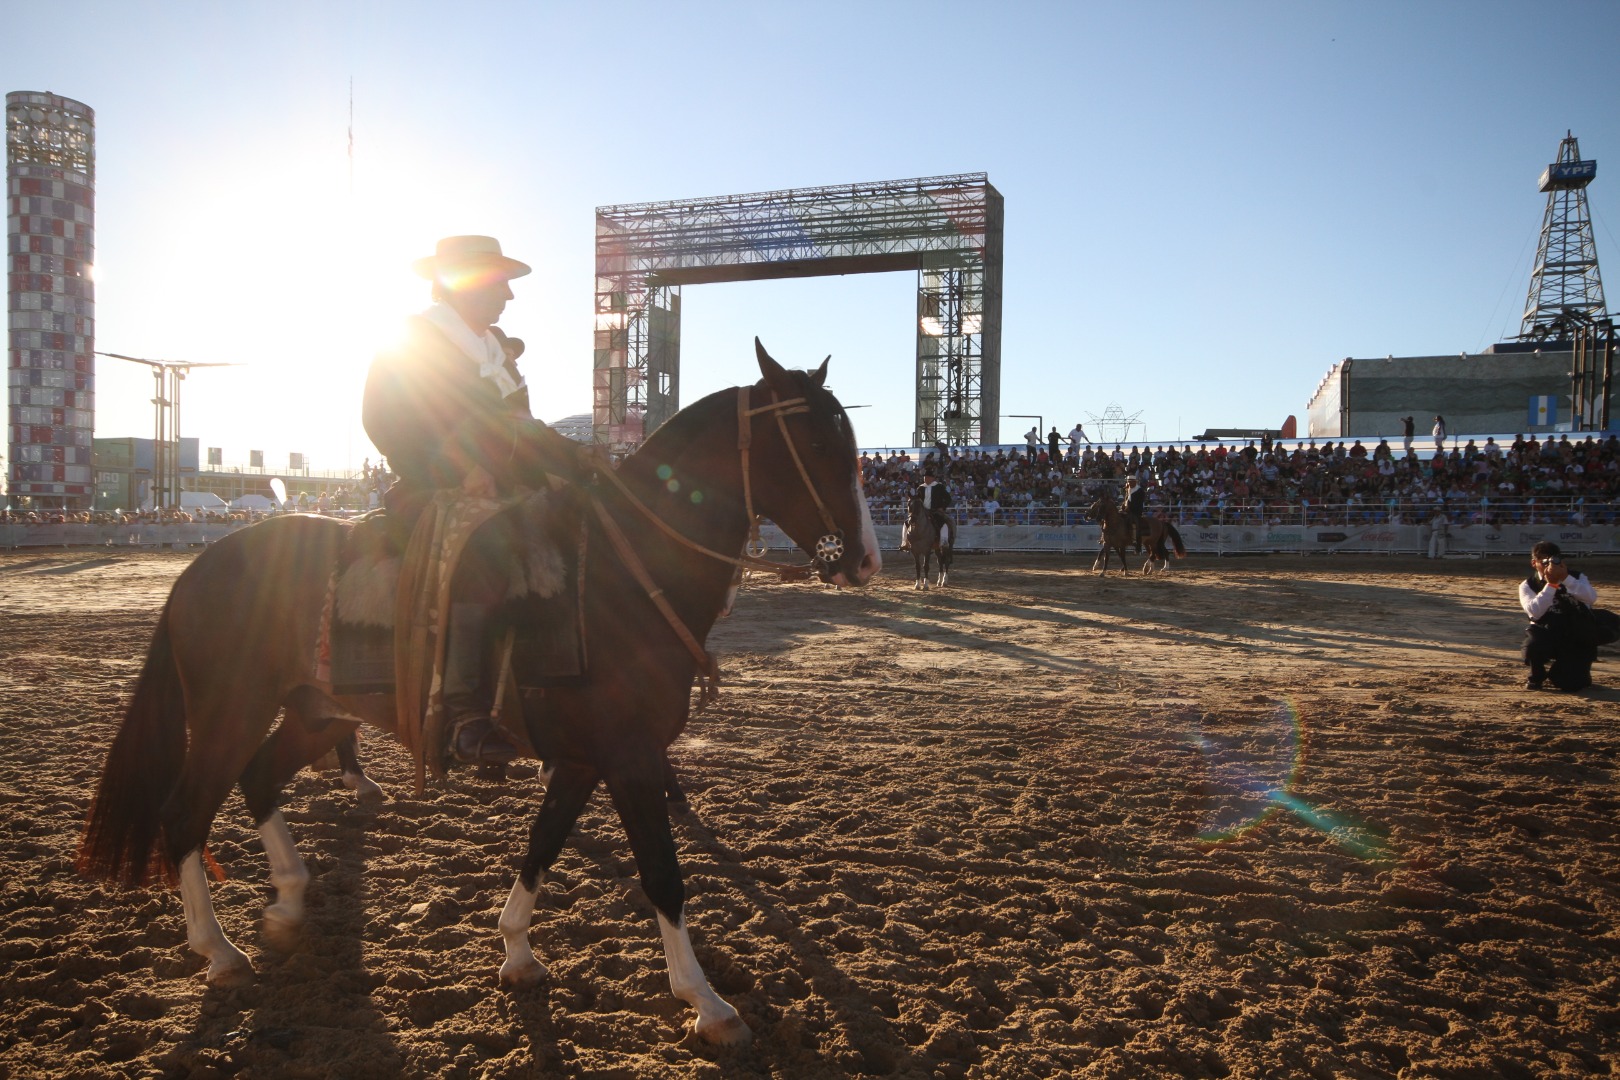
{"x":450,"y":410}
{"x":936,"y":499}
{"x":1135,"y":509}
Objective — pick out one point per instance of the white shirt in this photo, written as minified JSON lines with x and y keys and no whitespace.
{"x":482,"y":349}
{"x":1537,"y":602}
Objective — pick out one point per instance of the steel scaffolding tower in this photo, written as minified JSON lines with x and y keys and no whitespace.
{"x":1566,"y":290}
{"x":946,"y":228}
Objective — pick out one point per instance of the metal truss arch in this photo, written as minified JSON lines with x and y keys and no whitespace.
{"x":947,"y":229}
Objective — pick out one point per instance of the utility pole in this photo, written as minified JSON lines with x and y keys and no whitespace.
{"x":167,"y":375}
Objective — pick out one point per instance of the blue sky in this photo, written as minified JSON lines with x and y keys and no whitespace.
{"x":1207,"y":204}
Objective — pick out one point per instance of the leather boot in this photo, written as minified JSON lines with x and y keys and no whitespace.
{"x":474,"y":738}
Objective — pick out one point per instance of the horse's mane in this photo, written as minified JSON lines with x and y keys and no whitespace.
{"x":680,"y":431}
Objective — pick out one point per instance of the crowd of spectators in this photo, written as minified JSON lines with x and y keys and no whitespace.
{"x":345,"y":500}
{"x":1556,"y":480}
{"x":167,"y":515}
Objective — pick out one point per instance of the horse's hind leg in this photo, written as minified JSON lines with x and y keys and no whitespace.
{"x":227,"y":965}
{"x":354,"y":774}
{"x":195,"y":800}
{"x":306,"y":732}
{"x":568,"y":789}
{"x":637,"y":795}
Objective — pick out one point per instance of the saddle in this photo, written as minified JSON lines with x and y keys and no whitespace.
{"x":386,"y":620}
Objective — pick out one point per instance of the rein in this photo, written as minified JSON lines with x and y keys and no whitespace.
{"x":829,"y":548}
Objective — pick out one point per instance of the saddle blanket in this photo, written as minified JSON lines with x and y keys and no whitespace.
{"x":541,"y":610}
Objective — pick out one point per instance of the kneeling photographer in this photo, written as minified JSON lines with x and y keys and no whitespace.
{"x":1561,"y":641}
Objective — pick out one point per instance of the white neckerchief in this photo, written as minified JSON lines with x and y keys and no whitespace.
{"x":483,"y":349}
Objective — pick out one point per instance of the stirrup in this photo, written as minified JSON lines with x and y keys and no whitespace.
{"x":492,"y":748}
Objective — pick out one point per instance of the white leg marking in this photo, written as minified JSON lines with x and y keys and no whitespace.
{"x":364,"y":787}
{"x":289,"y":876}
{"x":227,"y":965}
{"x":520,"y":968}
{"x":717,"y":1021}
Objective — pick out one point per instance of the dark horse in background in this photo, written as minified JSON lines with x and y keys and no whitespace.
{"x":1117,"y":536}
{"x":928,"y":542}
{"x":235,"y":643}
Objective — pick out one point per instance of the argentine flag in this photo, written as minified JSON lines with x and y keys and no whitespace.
{"x":1543,"y":411}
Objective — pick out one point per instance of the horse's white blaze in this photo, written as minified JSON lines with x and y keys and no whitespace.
{"x":869,"y":543}
{"x":203,"y":932}
{"x":868,"y":536}
{"x":287,"y":873}
{"x":717,"y":1021}
{"x":521,"y":967}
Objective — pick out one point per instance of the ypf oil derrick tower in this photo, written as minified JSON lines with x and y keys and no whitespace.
{"x":1566,"y":302}
{"x":1566,"y":291}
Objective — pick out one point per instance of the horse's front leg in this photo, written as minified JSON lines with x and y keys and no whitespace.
{"x":637,"y":791}
{"x":568,"y":789}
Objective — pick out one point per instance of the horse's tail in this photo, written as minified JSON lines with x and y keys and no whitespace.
{"x":142,"y":768}
{"x":1175,"y":538}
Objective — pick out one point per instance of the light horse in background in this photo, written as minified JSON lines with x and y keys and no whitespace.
{"x":1117,"y":536}
{"x":929,"y":543}
{"x":236,"y":639}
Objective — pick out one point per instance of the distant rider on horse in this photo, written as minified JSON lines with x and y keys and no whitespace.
{"x":449,"y":409}
{"x":1136,"y":509}
{"x":936,"y":499}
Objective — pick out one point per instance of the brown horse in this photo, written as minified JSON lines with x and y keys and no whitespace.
{"x":237,"y":636}
{"x":928,"y":543}
{"x":1117,"y":536}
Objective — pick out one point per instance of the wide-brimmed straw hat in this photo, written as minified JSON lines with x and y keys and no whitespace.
{"x":469,"y":256}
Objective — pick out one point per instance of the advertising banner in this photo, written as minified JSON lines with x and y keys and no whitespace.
{"x":1462,"y":540}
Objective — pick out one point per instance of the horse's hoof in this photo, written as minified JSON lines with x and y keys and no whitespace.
{"x":365,"y":789}
{"x":730,"y":1031}
{"x":280,"y":928}
{"x":230,"y":972}
{"x":518,"y":974}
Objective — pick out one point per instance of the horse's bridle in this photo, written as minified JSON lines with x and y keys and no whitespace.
{"x":829,"y":549}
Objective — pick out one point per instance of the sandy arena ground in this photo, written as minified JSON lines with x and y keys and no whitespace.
{"x":1262,"y":817}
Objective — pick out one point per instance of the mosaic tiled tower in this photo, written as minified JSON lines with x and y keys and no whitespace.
{"x":50,"y":226}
